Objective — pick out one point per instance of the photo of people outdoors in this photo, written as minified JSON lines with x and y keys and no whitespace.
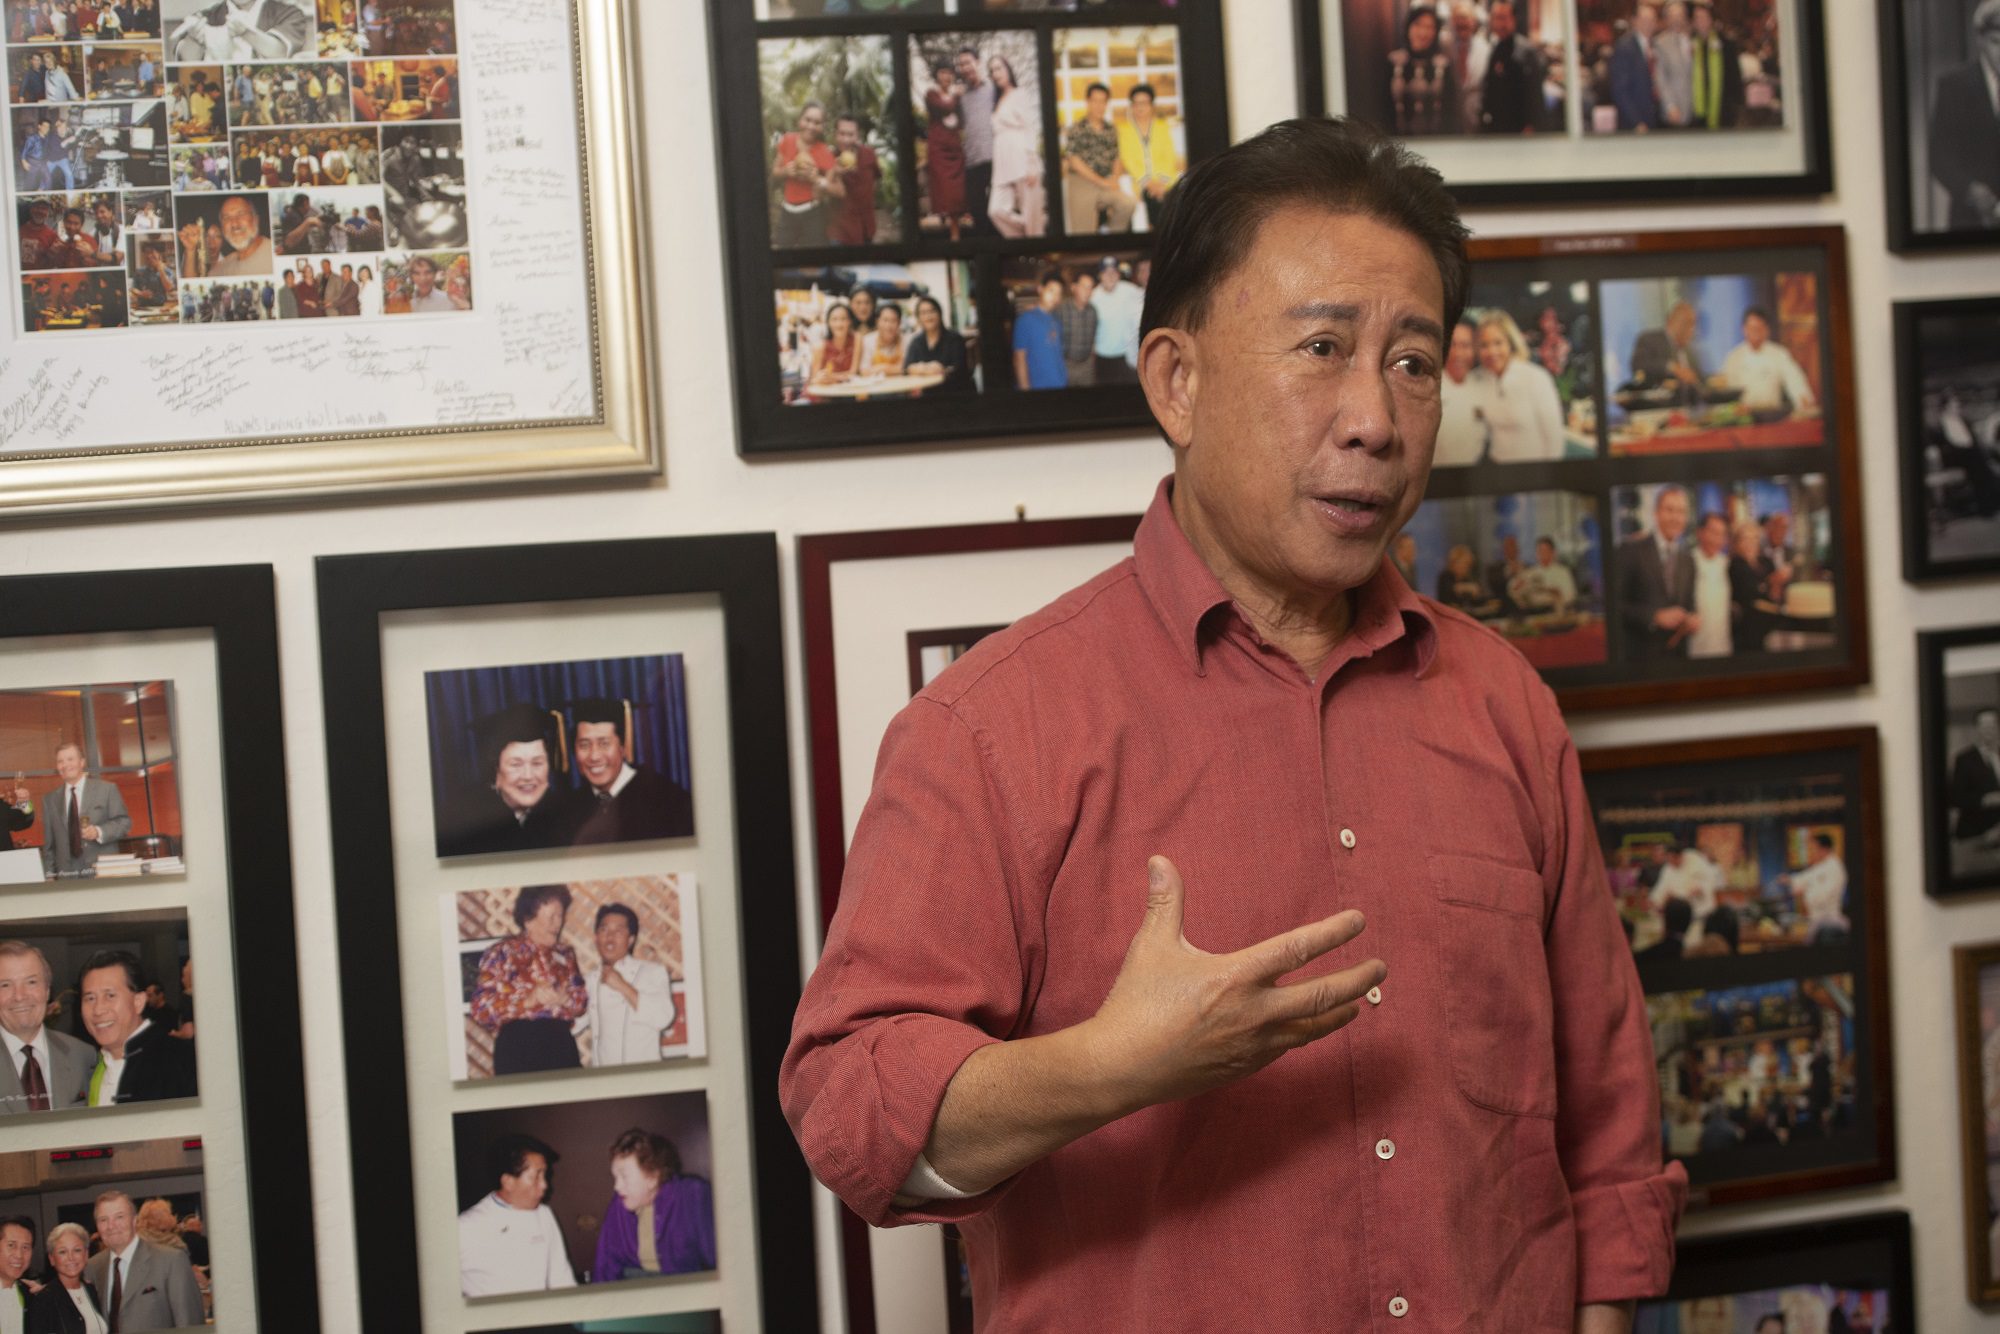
{"x":1695,"y":65}
{"x":45,"y":74}
{"x":553,"y":1195}
{"x":831,"y":159}
{"x":197,"y":170}
{"x":1454,"y":67}
{"x":1520,"y":377}
{"x":1957,"y":366}
{"x":399,"y":90}
{"x":435,"y":283}
{"x":1716,"y":362}
{"x":80,"y":147}
{"x":1771,"y":1065}
{"x":107,"y":1002}
{"x":559,"y":754}
{"x":74,"y":20}
{"x":1075,"y":318}
{"x":94,"y":787}
{"x":423,"y":178}
{"x":304,"y":94}
{"x":852,"y":333}
{"x":150,"y":275}
{"x":71,"y":301}
{"x":615,"y":964}
{"x":330,"y":221}
{"x":1816,"y":1307}
{"x":978,"y":112}
{"x":196,"y":110}
{"x":69,"y":231}
{"x":1124,"y":138}
{"x":1712,"y":569}
{"x":1530,"y":565}
{"x":1971,"y":785}
{"x":228,"y":301}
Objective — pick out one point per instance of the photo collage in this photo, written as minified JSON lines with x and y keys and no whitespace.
{"x":1571,"y":390}
{"x":931,"y":179}
{"x":178,"y":162}
{"x":578,"y":972}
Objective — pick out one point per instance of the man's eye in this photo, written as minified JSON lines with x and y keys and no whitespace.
{"x":1320,"y":347}
{"x":1414,"y":363}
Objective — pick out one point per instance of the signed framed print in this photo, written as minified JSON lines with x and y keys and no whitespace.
{"x":1948,"y":427}
{"x":1578,"y":101}
{"x":1958,"y":689}
{"x":1939,"y":123}
{"x":1851,"y":1273}
{"x":306,"y":164}
{"x":597,"y":967}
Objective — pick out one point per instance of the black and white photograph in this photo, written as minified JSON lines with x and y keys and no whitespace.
{"x":977,"y":100}
{"x":1959,"y":681}
{"x":833,"y":160}
{"x":1948,"y":420}
{"x":1940,"y":61}
{"x":215,"y":31}
{"x":423,"y":181}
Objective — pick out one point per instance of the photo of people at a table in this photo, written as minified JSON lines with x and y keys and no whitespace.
{"x":1714,"y":362}
{"x":1715,"y":569}
{"x":831,"y":162}
{"x":71,"y":301}
{"x":977,"y":100}
{"x":375,"y":28}
{"x":851,"y":333}
{"x":1074,"y":318}
{"x":398,"y":90}
{"x":151,"y":278}
{"x":196,"y":113}
{"x":1124,"y":138}
{"x":1520,"y":377}
{"x":123,"y":71}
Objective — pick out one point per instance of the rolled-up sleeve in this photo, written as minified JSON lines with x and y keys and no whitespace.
{"x":930,"y":957}
{"x":1625,"y":1203}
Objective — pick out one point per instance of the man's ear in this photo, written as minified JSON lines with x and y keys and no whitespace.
{"x":1169,"y":373}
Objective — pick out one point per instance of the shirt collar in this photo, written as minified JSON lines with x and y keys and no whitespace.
{"x":14,"y":1044}
{"x":125,"y":1256}
{"x":1184,"y":592}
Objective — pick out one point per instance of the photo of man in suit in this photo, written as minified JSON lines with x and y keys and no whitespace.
{"x":140,"y":1285}
{"x":1965,"y":127}
{"x":81,"y":818}
{"x":1668,"y":356}
{"x":1975,"y":783}
{"x":621,"y":801}
{"x":1656,"y":582}
{"x":46,"y":1070}
{"x":137,"y":1060}
{"x":1634,"y":72}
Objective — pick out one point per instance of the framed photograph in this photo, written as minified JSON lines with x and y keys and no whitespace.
{"x":1600,"y":100}
{"x":1958,"y":685}
{"x":599,"y":965}
{"x":884,"y":612}
{"x":1850,"y":1273}
{"x":1938,"y":58}
{"x":1948,"y":421}
{"x":1646,"y":471}
{"x":1748,"y":874}
{"x":1976,"y":976}
{"x":145,"y":779}
{"x":287,"y":161}
{"x":898,"y":179}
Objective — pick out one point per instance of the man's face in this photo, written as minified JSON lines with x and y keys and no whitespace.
{"x":1510,"y":548}
{"x":614,"y":938}
{"x":38,"y":216}
{"x":522,"y":776}
{"x":1545,"y":554}
{"x":1776,"y":528}
{"x":1458,"y":361}
{"x":967,"y":66}
{"x":1647,"y":20}
{"x":73,"y":224}
{"x":69,"y":763}
{"x":1501,"y":22}
{"x":812,"y":124}
{"x":1755,"y":331}
{"x":239,"y":223}
{"x":1052,"y":291}
{"x":1680,"y":324}
{"x":600,"y":753}
{"x":111,"y":1008}
{"x":1703,"y":19}
{"x":635,"y":1186}
{"x":525,"y":1191}
{"x":114,"y":1224}
{"x":1677,"y":17}
{"x":1313,"y":398}
{"x":17,"y":1252}
{"x":1142,"y":107}
{"x":1081,"y":289}
{"x":846,"y":135}
{"x":1714,"y":533}
{"x":1094,"y":104}
{"x":1988,"y":727}
{"x":1670,"y":515}
{"x":424,"y":274}
{"x":1988,"y":33}
{"x":105,"y":217}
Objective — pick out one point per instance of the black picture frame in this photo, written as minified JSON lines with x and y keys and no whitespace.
{"x":1974,"y":980}
{"x":1935,"y":709}
{"x":1908,"y":48}
{"x":1946,"y":499}
{"x":355,"y":592}
{"x":767,"y":425}
{"x":236,"y":605}
{"x":1854,"y":1253}
{"x":1814,"y":177}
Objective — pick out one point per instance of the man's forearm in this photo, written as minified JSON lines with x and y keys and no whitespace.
{"x":1604,"y":1318}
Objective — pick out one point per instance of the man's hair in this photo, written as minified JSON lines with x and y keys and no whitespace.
{"x":20,"y":1221}
{"x":1211,"y":218}
{"x":655,"y":1154}
{"x":1546,"y":538}
{"x":1759,"y":312}
{"x":1711,"y":516}
{"x":110,"y":1195}
{"x":530,"y":900}
{"x":135,"y":972}
{"x":1145,"y":88}
{"x":619,"y":910}
{"x":1825,"y":840}
{"x":14,"y":949}
{"x":1670,"y":489}
{"x":598,"y":710}
{"x":1096,"y":88}
{"x":78,"y":214}
{"x":1678,"y":916}
{"x":508,"y":1155}
{"x":1765,"y":1320}
{"x":1050,"y":276}
{"x":851,"y":118}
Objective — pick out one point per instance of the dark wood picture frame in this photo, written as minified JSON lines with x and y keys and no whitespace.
{"x":1933,"y":647}
{"x":236,"y":604}
{"x":1933,"y":500}
{"x":818,"y":553}
{"x":766,"y":424}
{"x":1856,"y":1252}
{"x":1899,"y":137}
{"x":1836,"y":655}
{"x":354,"y":594}
{"x":1978,"y":1162}
{"x":1309,"y":27}
{"x":1852,"y":755}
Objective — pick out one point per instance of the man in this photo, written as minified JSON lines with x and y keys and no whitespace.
{"x":1656,"y":581}
{"x":1547,"y":585}
{"x":137,"y":1060}
{"x":1091,"y":197}
{"x":17,"y":1253}
{"x":1038,"y":349}
{"x":339,"y":291}
{"x":510,"y":1241}
{"x":108,"y":235}
{"x":1078,"y":319}
{"x":1821,"y":889}
{"x":804,"y":168}
{"x":1958,"y":445}
{"x":1674,"y":59}
{"x":1153,"y":1133}
{"x":1690,"y":876}
{"x":1119,"y":306}
{"x":425,"y":294}
{"x":859,"y":171}
{"x":140,"y":1285}
{"x":660,"y":1221}
{"x":1469,"y":50}
{"x":1667,"y":356}
{"x":976,"y":99}
{"x":1510,"y":98}
{"x":34,"y":85}
{"x":1403,"y":555}
{"x":46,"y":1071}
{"x":631,"y":999}
{"x":1501,"y":574}
{"x":288,"y":296}
{"x":1778,"y":553}
{"x":45,"y":157}
{"x":57,"y":86}
{"x":1146,"y":148}
{"x":78,"y":248}
{"x":38,"y":239}
{"x":81,"y":818}
{"x":1771,"y":378}
{"x":1964,"y":128}
{"x":1715,"y":74}
{"x":1975,"y":783}
{"x":1634,"y":76}
{"x":248,"y":250}
{"x":620,"y":801}
{"x":514,"y":808}
{"x":17,"y":806}
{"x":237,"y":30}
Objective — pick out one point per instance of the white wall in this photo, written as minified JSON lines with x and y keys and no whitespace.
{"x":710,"y":489}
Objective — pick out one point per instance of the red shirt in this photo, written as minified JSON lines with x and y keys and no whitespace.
{"x":854,"y":214}
{"x":1483,"y":1143}
{"x":798,"y":191}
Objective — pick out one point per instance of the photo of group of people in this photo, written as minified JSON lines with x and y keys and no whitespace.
{"x":1075,"y":318}
{"x":537,"y":1212}
{"x":89,"y":781}
{"x":979,"y":133}
{"x":202,"y":139}
{"x":833,"y":161}
{"x":851,"y":333}
{"x":1820,"y":1307}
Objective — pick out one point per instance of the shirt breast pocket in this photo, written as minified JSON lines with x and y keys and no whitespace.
{"x":1499,"y":1014}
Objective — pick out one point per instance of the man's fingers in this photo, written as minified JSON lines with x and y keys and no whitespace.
{"x":1165,"y":896}
{"x":1298,"y":1032}
{"x":1320,"y":995}
{"x":1273,"y":958}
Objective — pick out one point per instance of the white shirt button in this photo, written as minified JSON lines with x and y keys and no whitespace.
{"x":1347,"y":838}
{"x":1398,"y":1307}
{"x":1385,"y":1149}
{"x":1374,"y":995}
